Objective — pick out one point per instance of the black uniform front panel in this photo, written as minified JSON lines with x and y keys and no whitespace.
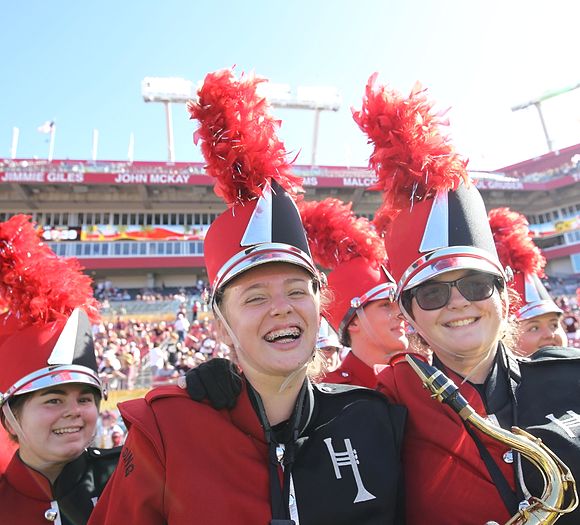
{"x":549,"y":408}
{"x":349,"y":461}
{"x":81,"y":482}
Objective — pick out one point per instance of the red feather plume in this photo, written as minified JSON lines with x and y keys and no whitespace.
{"x":411,"y":158}
{"x":514,"y":243}
{"x":36,"y":286}
{"x":384,"y":216}
{"x":238,"y":138}
{"x":336,"y":235}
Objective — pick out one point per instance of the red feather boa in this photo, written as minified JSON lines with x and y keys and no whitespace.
{"x":336,"y":235}
{"x":238,"y":138}
{"x":36,"y":286}
{"x":514,"y":243}
{"x":411,"y":157}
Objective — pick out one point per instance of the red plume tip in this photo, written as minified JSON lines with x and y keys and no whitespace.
{"x":36,"y":285}
{"x":238,"y":138}
{"x":336,"y":235}
{"x":411,"y":157}
{"x":514,"y":243}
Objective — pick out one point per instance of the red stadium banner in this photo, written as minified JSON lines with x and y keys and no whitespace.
{"x":108,"y":232}
{"x":193,"y":174}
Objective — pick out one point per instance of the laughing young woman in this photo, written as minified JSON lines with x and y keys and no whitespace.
{"x":49,"y":387}
{"x":451,"y":287}
{"x":287,"y":451}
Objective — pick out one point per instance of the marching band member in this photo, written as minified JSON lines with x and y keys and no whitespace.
{"x":539,"y":317}
{"x":328,"y":345}
{"x":49,"y":387}
{"x":288,"y":451}
{"x":362,"y":310}
{"x":451,"y":287}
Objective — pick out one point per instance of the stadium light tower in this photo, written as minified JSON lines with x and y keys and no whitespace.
{"x":317,"y":98}
{"x":538,"y":104}
{"x":179,"y":90}
{"x":167,"y":90}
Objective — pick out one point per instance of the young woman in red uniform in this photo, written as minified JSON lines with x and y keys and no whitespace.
{"x":287,"y":451}
{"x":362,"y":311}
{"x":451,"y":287}
{"x":49,"y":387}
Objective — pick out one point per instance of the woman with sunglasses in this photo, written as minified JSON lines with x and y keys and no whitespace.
{"x":451,"y":287}
{"x":286,"y":451}
{"x":49,"y":387}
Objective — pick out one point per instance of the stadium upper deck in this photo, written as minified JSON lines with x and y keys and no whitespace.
{"x":142,"y":224}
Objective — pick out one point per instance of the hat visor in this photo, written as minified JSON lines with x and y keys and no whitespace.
{"x":538,"y":308}
{"x":262,"y":254}
{"x":53,"y":376}
{"x":328,"y":342}
{"x":448,"y":260}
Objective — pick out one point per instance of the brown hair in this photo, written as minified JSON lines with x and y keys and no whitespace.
{"x":16,"y":404}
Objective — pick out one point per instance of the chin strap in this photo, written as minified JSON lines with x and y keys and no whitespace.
{"x":372,"y":334}
{"x":10,"y":418}
{"x":233,"y":337}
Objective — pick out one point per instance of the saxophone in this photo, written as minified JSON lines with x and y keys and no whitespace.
{"x":559,"y":496}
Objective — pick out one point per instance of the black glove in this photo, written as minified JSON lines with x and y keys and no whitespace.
{"x":218,"y":381}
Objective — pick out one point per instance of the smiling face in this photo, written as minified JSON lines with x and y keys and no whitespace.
{"x":542,"y":330}
{"x":465,"y":329}
{"x":382,"y":335}
{"x":274,"y":312}
{"x":58,"y":424}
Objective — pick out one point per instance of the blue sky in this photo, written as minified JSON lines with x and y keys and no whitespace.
{"x":81,"y":63}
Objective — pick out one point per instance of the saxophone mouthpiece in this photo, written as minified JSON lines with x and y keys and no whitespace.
{"x":442,"y":387}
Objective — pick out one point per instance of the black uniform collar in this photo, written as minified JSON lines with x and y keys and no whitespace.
{"x":290,"y":430}
{"x":497,"y":392}
{"x":70,"y":476}
{"x":36,"y":485}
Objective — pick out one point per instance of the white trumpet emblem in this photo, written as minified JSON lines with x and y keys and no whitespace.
{"x":349,"y":458}
{"x":569,"y":422}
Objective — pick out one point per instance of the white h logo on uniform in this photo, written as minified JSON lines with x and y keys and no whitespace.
{"x":569,"y":422}
{"x":348,"y":459}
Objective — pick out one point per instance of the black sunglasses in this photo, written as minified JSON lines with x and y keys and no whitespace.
{"x":433,"y":295}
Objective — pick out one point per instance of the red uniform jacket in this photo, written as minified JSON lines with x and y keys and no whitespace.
{"x":26,"y":495}
{"x":185,"y":462}
{"x":352,"y":371}
{"x":446,"y":480}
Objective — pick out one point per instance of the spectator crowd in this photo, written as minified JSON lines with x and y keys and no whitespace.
{"x":142,"y":354}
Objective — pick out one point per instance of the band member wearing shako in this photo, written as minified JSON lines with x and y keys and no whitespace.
{"x":328,"y":345}
{"x":452,"y":289}
{"x":49,"y":387}
{"x":362,"y":310}
{"x":288,"y":451}
{"x":539,"y":317}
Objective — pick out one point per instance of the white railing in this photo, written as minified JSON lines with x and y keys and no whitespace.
{"x":128,"y":249}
